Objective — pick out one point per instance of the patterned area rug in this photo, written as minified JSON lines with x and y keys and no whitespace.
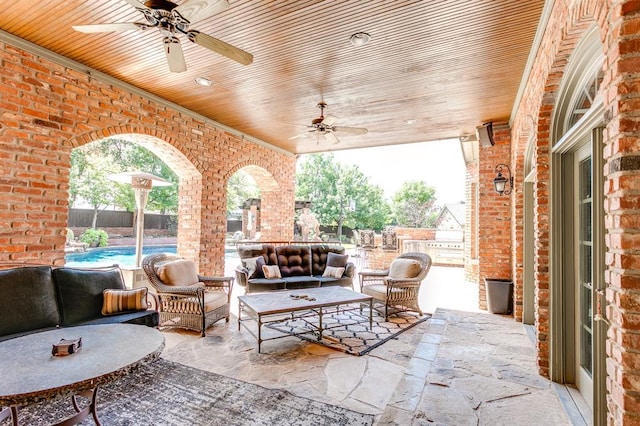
{"x":348,"y":330}
{"x":171,"y":394}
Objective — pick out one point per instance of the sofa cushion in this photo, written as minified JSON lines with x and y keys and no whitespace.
{"x":320,"y":254}
{"x":267,"y":251}
{"x":150,"y":318}
{"x":271,"y":271}
{"x":404,"y":268}
{"x":254,"y":266}
{"x":27,"y":299}
{"x":337,"y":260}
{"x":333,"y":272}
{"x":80,"y":291}
{"x":119,"y":301}
{"x":294,"y":261}
{"x":301,"y":282}
{"x":179,"y":272}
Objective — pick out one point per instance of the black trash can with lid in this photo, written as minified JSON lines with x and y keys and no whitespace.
{"x":499,"y":293}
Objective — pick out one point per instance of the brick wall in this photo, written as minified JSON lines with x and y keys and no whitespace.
{"x":415,"y":233}
{"x":619,"y":26}
{"x":48,"y":109}
{"x":622,"y":207}
{"x":494,"y":211}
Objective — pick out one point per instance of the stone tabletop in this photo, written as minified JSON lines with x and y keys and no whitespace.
{"x":30,"y":373}
{"x":282,"y":301}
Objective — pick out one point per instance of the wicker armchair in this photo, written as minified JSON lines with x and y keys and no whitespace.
{"x":397,"y":288}
{"x":186,"y":299}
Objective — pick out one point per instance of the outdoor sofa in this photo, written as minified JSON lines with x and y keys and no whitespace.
{"x":39,"y":298}
{"x":272,"y":266}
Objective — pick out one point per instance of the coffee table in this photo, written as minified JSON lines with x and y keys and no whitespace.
{"x":266,"y":308}
{"x":31,"y":374}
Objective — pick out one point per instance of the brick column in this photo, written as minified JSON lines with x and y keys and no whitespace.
{"x":494,"y":212}
{"x":622,"y":209}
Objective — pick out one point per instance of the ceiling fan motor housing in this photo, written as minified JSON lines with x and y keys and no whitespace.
{"x":160,"y":4}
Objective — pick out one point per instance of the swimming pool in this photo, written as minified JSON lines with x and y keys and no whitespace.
{"x":106,"y":256}
{"x":121,"y":255}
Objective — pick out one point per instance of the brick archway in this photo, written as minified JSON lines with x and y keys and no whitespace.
{"x":535,"y":116}
{"x":190,"y":189}
{"x":75,"y":108}
{"x":277,"y":201}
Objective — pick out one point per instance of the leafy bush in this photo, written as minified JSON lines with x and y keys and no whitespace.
{"x":95,"y":237}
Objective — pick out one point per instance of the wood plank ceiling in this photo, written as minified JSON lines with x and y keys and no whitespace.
{"x":449,"y":65}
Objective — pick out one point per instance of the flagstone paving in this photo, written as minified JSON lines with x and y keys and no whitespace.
{"x":458,"y":368}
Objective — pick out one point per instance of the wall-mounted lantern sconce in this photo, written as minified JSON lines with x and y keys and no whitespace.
{"x":503,"y":184}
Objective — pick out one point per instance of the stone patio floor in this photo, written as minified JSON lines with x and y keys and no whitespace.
{"x":458,"y":368}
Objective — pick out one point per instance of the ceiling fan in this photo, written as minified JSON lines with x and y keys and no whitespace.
{"x":324,"y":126}
{"x":172,"y":20}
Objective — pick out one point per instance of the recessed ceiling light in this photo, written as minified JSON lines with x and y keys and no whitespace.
{"x":409,"y":121}
{"x":203,"y":81}
{"x":360,"y":39}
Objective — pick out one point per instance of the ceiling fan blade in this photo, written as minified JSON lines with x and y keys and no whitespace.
{"x":175,"y":57}
{"x":137,"y":4}
{"x":351,"y":130}
{"x":331,"y":138}
{"x":220,"y":47}
{"x":302,"y":136}
{"x":107,"y":28}
{"x":197,"y":10}
{"x":329,"y":120}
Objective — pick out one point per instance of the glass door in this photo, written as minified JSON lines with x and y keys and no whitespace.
{"x":583,"y":271}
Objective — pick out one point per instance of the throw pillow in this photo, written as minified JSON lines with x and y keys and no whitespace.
{"x":119,"y":301}
{"x":259,"y":264}
{"x":179,"y":273}
{"x":404,"y":268}
{"x":271,"y":271}
{"x":333,"y":272}
{"x":251,"y":264}
{"x":337,"y":260}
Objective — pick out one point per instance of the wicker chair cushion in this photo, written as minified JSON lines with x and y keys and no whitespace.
{"x":377,"y":291}
{"x":212,"y":300}
{"x":119,"y":301}
{"x":404,"y":268}
{"x":333,"y":272}
{"x":178,"y":273}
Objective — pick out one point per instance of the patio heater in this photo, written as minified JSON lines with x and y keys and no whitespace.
{"x":141,"y":183}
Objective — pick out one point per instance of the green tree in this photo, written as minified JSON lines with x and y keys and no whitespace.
{"x":92,"y":163}
{"x":240,"y":187}
{"x":162,"y":199}
{"x":413,"y":205}
{"x":89,"y":182}
{"x":340,"y":195}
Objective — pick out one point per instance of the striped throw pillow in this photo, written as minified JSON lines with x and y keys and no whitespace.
{"x":119,"y":301}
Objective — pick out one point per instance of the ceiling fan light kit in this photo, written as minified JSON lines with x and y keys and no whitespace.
{"x":172,"y":20}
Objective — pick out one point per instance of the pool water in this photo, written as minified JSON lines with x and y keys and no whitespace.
{"x":124,"y":255}
{"x":120,"y":255}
